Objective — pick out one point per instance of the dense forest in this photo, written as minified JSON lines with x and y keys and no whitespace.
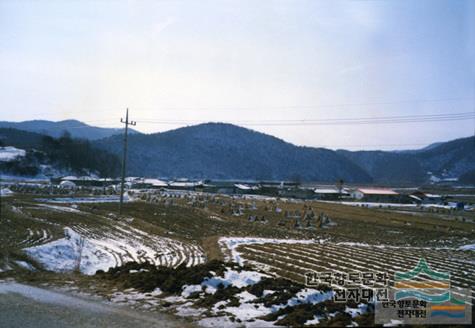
{"x":77,"y":156}
{"x":225,"y":151}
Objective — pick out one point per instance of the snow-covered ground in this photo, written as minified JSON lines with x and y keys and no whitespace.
{"x":8,"y":154}
{"x":67,"y":254}
{"x":81,"y":200}
{"x":60,"y":208}
{"x":467,"y":248}
{"x":391,"y":205}
{"x":231,"y":278}
{"x":5,"y":192}
{"x":248,"y":309}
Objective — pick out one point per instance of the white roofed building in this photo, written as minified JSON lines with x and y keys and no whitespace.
{"x":68,"y":185}
{"x":155,"y":182}
{"x":180,"y":184}
{"x":241,"y":188}
{"x":375,"y":194}
{"x":329,"y":193}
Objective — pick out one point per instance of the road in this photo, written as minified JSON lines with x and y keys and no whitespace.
{"x":27,"y":306}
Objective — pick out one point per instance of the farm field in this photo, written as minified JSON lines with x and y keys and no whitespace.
{"x":169,"y":229}
{"x":86,"y":240}
{"x":47,"y":238}
{"x":294,"y":260}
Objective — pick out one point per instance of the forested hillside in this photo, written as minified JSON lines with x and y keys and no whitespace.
{"x":63,"y":154}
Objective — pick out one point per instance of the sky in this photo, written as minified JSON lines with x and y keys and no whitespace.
{"x":268,"y":65}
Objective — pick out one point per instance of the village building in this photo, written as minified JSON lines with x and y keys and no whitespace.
{"x":185,"y":185}
{"x":376,"y":195}
{"x":150,"y":183}
{"x":297,"y":192}
{"x":241,"y":188}
{"x":330,"y":193}
{"x":68,"y":185}
{"x":426,"y":198}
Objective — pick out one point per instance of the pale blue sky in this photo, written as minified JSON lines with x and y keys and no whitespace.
{"x":240,"y":61}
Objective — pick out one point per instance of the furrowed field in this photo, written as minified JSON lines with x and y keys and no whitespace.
{"x":50,"y":240}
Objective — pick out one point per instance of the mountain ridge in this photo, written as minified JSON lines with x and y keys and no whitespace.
{"x":280,"y":160}
{"x":226,"y":151}
{"x":55,"y":129}
{"x":218,"y":150}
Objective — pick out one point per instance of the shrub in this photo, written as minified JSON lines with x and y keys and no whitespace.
{"x":221,"y":294}
{"x":148,"y":277}
{"x":284,"y":290}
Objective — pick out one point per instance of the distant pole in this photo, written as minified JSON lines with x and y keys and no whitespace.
{"x":124,"y":158}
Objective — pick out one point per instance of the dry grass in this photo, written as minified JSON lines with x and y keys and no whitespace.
{"x":205,"y":221}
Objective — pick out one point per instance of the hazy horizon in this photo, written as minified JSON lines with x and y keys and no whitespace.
{"x":334,"y":74}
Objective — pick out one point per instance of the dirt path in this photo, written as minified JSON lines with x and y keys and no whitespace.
{"x":27,"y":306}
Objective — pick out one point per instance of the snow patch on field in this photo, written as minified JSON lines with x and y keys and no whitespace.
{"x":248,"y":309}
{"x":310,"y":295}
{"x":314,"y":321}
{"x":91,"y":253}
{"x":231,"y":243}
{"x":5,"y":192}
{"x":8,"y":154}
{"x":190,"y":289}
{"x":235,"y":278}
{"x":60,"y":208}
{"x":71,"y":253}
{"x":82,"y":200}
{"x":358,"y":244}
{"x":231,"y":277}
{"x":354,"y":312}
{"x":391,"y":205}
{"x":467,"y":248}
{"x":25,"y":265}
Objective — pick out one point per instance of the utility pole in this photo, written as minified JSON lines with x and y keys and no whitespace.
{"x":124,"y":158}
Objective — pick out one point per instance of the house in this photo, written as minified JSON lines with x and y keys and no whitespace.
{"x":68,"y":185}
{"x":185,"y":185}
{"x":330,"y":193}
{"x":296,"y":192}
{"x":375,"y":195}
{"x":241,"y":188}
{"x":89,"y":181}
{"x":427,"y":198}
{"x":154,"y":183}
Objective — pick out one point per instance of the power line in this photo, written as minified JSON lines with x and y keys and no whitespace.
{"x":337,"y":121}
{"x":264,"y":107}
{"x":355,"y":104}
{"x":421,"y":118}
